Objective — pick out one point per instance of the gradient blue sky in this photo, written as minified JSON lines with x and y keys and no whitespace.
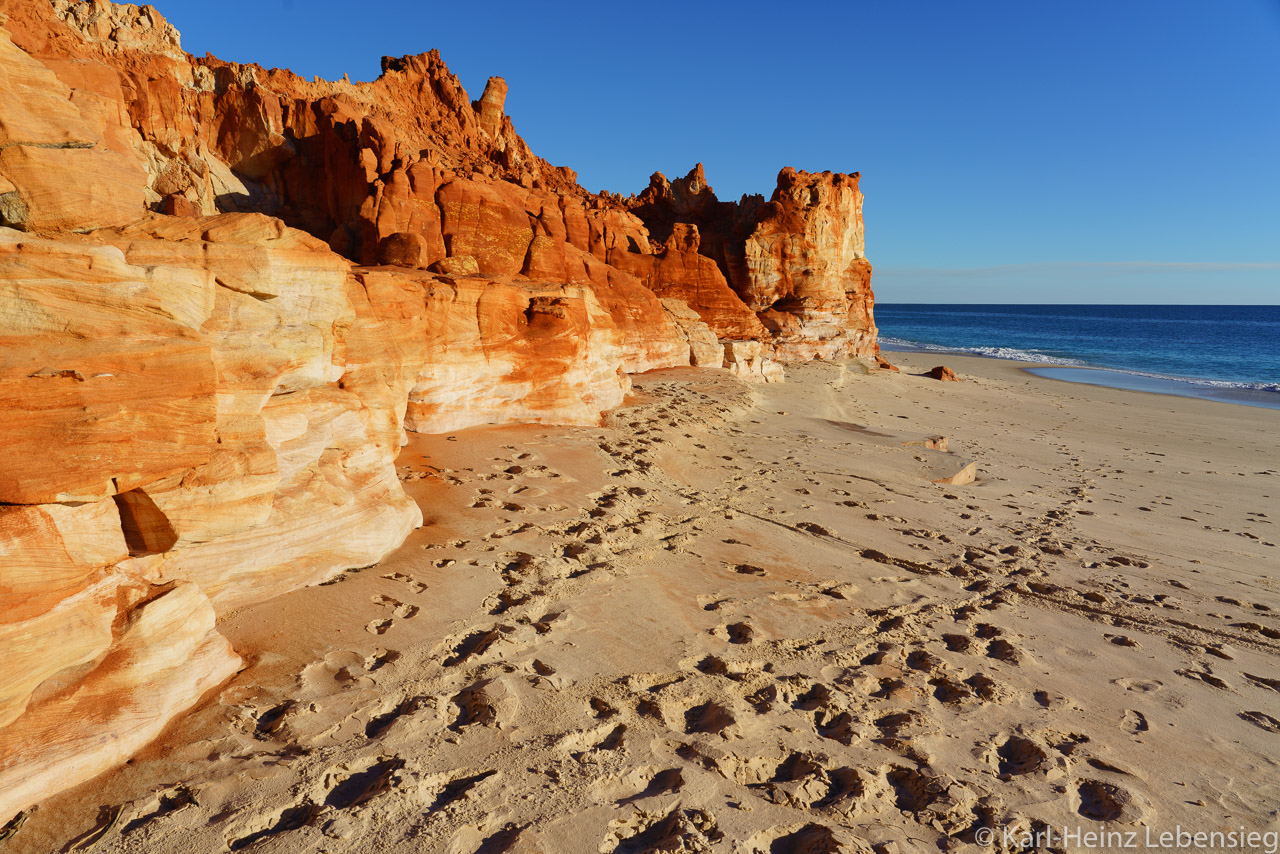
{"x":1120,"y":152}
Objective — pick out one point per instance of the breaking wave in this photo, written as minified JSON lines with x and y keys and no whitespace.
{"x":990,"y":352}
{"x":1014,"y":354}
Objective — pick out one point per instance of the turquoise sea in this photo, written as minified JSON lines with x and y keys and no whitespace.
{"x":1228,"y":352}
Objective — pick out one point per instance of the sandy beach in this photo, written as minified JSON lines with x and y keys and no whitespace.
{"x":743,"y":618}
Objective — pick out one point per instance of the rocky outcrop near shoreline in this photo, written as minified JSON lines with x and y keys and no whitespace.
{"x":797,"y":262}
{"x":226,"y":292}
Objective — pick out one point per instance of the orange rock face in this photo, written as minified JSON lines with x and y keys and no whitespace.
{"x":226,"y":292}
{"x":797,"y":262}
{"x":805,"y":270}
{"x":193,"y":407}
{"x":681,"y":272}
{"x":495,"y":353}
{"x":166,"y":654}
{"x":65,"y":156}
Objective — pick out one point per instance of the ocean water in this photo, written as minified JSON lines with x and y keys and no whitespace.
{"x":1225,"y":352}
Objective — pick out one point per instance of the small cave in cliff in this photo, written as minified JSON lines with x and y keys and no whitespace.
{"x":146,"y":528}
{"x":549,"y":309}
{"x":787,"y":305}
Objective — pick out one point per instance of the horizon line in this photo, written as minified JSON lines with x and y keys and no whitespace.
{"x":1100,"y":266}
{"x":1115,"y":304}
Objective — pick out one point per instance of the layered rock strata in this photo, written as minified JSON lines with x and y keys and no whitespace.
{"x":199,"y":413}
{"x":797,"y":263}
{"x":227,"y":291}
{"x":497,"y":353}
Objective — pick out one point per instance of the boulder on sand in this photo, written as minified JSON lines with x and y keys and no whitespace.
{"x":933,"y":443}
{"x":964,"y":476}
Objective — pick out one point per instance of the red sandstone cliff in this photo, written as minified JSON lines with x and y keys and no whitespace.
{"x":226,"y":291}
{"x":792,"y":271}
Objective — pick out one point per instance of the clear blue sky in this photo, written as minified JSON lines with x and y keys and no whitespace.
{"x":1018,"y":151}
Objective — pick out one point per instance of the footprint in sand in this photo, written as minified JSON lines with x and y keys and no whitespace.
{"x":271,"y":720}
{"x":355,"y":788}
{"x":601,"y":709}
{"x":292,"y":818}
{"x":811,"y":838}
{"x":1001,"y":650}
{"x":408,"y":580}
{"x":338,"y":668}
{"x":949,"y":691}
{"x":1203,"y":676}
{"x":709,"y":717}
{"x":670,"y":781}
{"x":505,"y":839}
{"x":690,"y":829}
{"x":1141,"y":686}
{"x":399,"y":609}
{"x":1133,"y":722}
{"x":579,"y":744}
{"x":1018,"y":755}
{"x":1263,"y":720}
{"x":379,"y":724}
{"x":712,"y":603}
{"x":1263,"y":681}
{"x":486,"y":702}
{"x":1102,"y":801}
